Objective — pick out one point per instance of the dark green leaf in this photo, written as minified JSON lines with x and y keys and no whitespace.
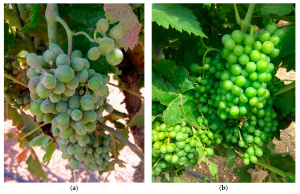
{"x":287,"y":44}
{"x":220,"y":151}
{"x":35,"y":167}
{"x":10,"y":135}
{"x":29,"y":125}
{"x":10,"y":17}
{"x":8,"y":39}
{"x":167,"y":176}
{"x":230,"y":158}
{"x":46,"y":142}
{"x":289,"y":62}
{"x":14,"y":115}
{"x":285,"y":101}
{"x":280,"y":9}
{"x":245,"y":177}
{"x":120,"y":127}
{"x":111,"y":165}
{"x":178,"y":17}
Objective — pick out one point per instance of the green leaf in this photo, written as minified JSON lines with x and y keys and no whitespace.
{"x":10,"y":17}
{"x":111,"y":165}
{"x":280,"y":9}
{"x":14,"y":115}
{"x":29,"y":125}
{"x":174,"y":74}
{"x":120,"y":127}
{"x":213,"y":168}
{"x":290,"y":62}
{"x":220,"y":151}
{"x":245,"y":177}
{"x":167,"y":176}
{"x":178,"y":17}
{"x":287,"y":44}
{"x":285,"y":101}
{"x":8,"y":39}
{"x":35,"y":167}
{"x":178,"y":180}
{"x":285,"y":18}
{"x":46,"y":142}
{"x":230,"y":158}
{"x":138,"y":118}
{"x":10,"y":136}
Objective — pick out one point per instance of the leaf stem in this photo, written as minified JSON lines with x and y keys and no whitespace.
{"x":237,"y":15}
{"x":247,"y":20}
{"x":273,"y":169}
{"x":34,"y":130}
{"x":69,"y":33}
{"x":51,"y":12}
{"x":73,"y":177}
{"x":123,"y":139}
{"x":129,"y":91}
{"x":85,"y":34}
{"x":156,"y":163}
{"x":15,"y":80}
{"x":285,"y":88}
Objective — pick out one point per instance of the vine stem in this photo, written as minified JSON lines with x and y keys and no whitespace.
{"x":247,"y":21}
{"x":207,"y":51}
{"x":285,"y":88}
{"x":85,"y":34}
{"x":69,"y":33}
{"x":156,"y":163}
{"x":31,"y":132}
{"x":237,"y":15}
{"x":51,"y":13}
{"x":273,"y":169}
{"x":15,"y":80}
{"x":129,"y":91}
{"x":73,"y":177}
{"x":123,"y":139}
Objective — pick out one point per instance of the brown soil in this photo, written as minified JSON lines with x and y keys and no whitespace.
{"x":58,"y":169}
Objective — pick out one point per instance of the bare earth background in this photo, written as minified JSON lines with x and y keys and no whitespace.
{"x":58,"y":169}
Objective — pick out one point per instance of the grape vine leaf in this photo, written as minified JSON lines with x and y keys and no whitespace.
{"x":10,"y":17}
{"x":14,"y":115}
{"x":287,"y":43}
{"x":178,"y":180}
{"x":170,"y":85}
{"x":22,"y":156}
{"x":46,"y":142}
{"x":213,"y":168}
{"x":35,"y":167}
{"x":280,"y":9}
{"x":123,"y":14}
{"x":8,"y":39}
{"x":138,"y":118}
{"x":178,"y":17}
{"x":289,"y":61}
{"x":230,"y":158}
{"x":285,"y":101}
{"x":111,"y":165}
{"x":120,"y":127}
{"x":29,"y":125}
{"x":245,"y":177}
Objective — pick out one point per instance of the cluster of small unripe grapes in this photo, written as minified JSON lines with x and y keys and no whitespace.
{"x":25,"y":12}
{"x":107,"y":45}
{"x":177,"y":146}
{"x":157,"y":108}
{"x":235,"y":85}
{"x":72,"y":97}
{"x":15,"y":94}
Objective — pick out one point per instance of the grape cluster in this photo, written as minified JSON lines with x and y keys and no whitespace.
{"x":157,"y":108}
{"x":15,"y":94}
{"x":70,"y":95}
{"x":178,"y":146}
{"x":108,"y":46}
{"x":25,"y":12}
{"x":238,"y":83}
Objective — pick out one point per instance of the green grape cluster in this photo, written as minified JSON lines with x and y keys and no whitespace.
{"x":107,"y":45}
{"x":238,"y":84}
{"x":26,"y":12}
{"x":70,"y":95}
{"x":157,"y":108}
{"x":15,"y":94}
{"x":178,"y":146}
